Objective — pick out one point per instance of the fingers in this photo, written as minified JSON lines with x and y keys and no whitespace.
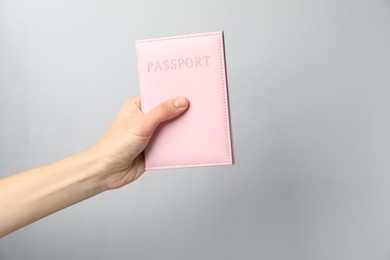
{"x":166,"y":110}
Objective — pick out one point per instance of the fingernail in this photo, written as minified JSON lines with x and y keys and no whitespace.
{"x":180,"y":102}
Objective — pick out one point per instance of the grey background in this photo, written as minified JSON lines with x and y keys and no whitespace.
{"x":309,"y":86}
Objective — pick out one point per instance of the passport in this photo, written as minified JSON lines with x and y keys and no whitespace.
{"x":192,"y":66}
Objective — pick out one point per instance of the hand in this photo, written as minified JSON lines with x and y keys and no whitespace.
{"x":114,"y":161}
{"x":120,"y":148}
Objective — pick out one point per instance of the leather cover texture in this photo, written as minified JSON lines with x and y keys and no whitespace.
{"x":192,"y":66}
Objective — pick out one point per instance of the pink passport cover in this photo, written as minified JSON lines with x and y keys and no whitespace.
{"x":192,"y":66}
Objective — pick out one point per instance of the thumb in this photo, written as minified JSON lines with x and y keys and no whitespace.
{"x":166,"y":110}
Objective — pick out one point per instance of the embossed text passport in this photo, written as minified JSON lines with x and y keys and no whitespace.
{"x":192,"y":66}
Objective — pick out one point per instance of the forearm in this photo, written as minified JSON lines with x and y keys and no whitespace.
{"x":34,"y":194}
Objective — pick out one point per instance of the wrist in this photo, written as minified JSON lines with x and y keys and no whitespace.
{"x":97,"y":165}
{"x":93,"y":168}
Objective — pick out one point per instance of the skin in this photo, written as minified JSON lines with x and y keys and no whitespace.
{"x":114,"y":161}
